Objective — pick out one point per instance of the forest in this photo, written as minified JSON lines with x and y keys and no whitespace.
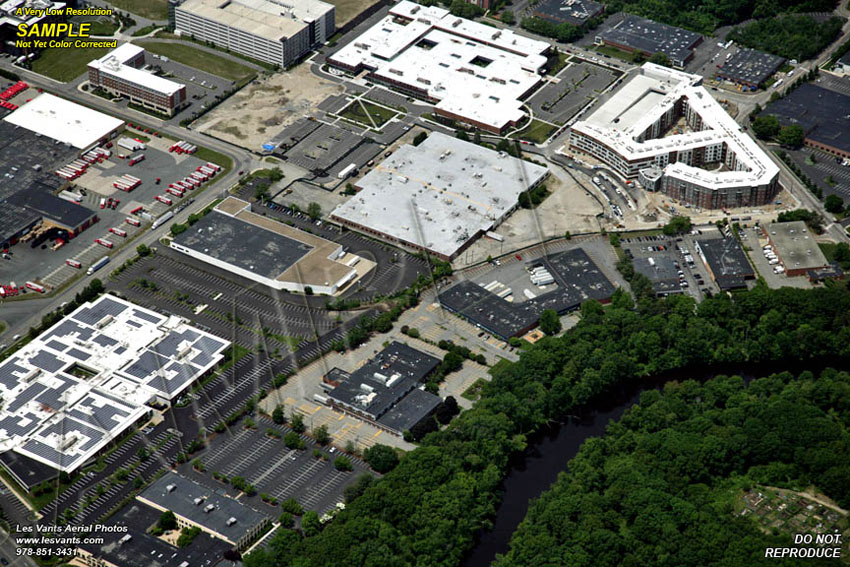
{"x":428,"y":509}
{"x":793,"y":36}
{"x":705,"y":16}
{"x":661,"y":486}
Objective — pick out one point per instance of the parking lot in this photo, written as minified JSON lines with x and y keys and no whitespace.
{"x":757,"y":241}
{"x":825,"y":166}
{"x":276,"y":470}
{"x":235,"y":307}
{"x":675,"y":266}
{"x":577,"y":85}
{"x":325,"y":150}
{"x":112,"y":206}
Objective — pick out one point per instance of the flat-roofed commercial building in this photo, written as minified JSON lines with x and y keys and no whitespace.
{"x":82,"y":383}
{"x":795,"y":247}
{"x":473,"y":73}
{"x":574,"y":12}
{"x":749,"y":68}
{"x":823,"y":114}
{"x":214,"y":513}
{"x":273,"y":31}
{"x":664,"y":119}
{"x":726,"y":262}
{"x":578,"y":279}
{"x":234,"y":238}
{"x":440,"y":196}
{"x":384,"y":390}
{"x":120,"y":72}
{"x":640,"y":35}
{"x":65,"y":121}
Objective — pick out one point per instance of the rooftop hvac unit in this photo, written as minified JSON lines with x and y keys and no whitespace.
{"x":198,"y":501}
{"x":170,"y":487}
{"x":209,"y":508}
{"x":125,"y":539}
{"x":366,"y":388}
{"x":231,"y":520}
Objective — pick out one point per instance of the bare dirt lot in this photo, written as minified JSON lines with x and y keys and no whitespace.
{"x":260,"y":111}
{"x":567,"y":208}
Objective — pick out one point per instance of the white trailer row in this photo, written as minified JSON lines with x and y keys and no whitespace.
{"x":183,"y":147}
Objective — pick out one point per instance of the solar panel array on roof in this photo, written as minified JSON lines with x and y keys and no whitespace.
{"x":10,"y":372}
{"x":148,"y":363}
{"x":149,"y":317}
{"x":94,"y":313}
{"x":46,"y":426}
{"x":46,"y":361}
{"x":78,"y":354}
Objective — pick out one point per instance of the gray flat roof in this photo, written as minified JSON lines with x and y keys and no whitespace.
{"x":578,"y":278}
{"x":795,"y":246}
{"x":181,"y":501}
{"x":412,"y":409}
{"x":728,"y":262}
{"x":751,"y":66}
{"x":574,"y":12}
{"x":384,"y":380}
{"x":822,"y":113}
{"x":145,"y":550}
{"x":243,"y":244}
{"x":652,"y":37}
{"x":440,"y":194}
{"x":663,"y":274}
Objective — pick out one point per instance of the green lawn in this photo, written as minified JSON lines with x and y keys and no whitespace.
{"x":537,"y":132}
{"x":66,"y":64}
{"x":379,"y":114}
{"x":150,"y":9}
{"x":145,"y":30}
{"x":562,"y":62}
{"x":103,"y":26}
{"x":201,"y":60}
{"x":614,"y":52}
{"x":474,"y":391}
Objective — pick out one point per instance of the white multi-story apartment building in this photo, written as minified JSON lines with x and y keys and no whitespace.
{"x":663,"y":119}
{"x":273,"y":31}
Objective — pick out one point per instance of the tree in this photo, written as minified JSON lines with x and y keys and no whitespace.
{"x":550,"y":323}
{"x":507,"y":17}
{"x":310,"y":524}
{"x":660,"y":59}
{"x":178,"y":228}
{"x":677,"y":225}
{"x":766,"y":127}
{"x":791,"y":136}
{"x":321,"y":434}
{"x":296,"y":422}
{"x":293,"y":441}
{"x":343,"y":463}
{"x":142,"y":453}
{"x":833,"y":204}
{"x":278,"y":416}
{"x":167,"y":521}
{"x":142,"y":250}
{"x":314,"y":210}
{"x":464,"y":9}
{"x":381,"y":458}
{"x":419,"y":138}
{"x":292,"y":506}
{"x":447,"y":410}
{"x":261,"y":191}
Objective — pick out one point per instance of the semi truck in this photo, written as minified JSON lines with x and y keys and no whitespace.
{"x":162,"y":220}
{"x":98,"y":265}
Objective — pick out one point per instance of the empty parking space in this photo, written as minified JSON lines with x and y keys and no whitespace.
{"x":274,"y":469}
{"x":576,"y":86}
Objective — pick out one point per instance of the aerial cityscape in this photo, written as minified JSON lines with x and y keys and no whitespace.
{"x":457,"y":283}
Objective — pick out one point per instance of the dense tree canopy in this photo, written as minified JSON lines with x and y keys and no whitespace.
{"x":427,"y":511}
{"x":793,"y":36}
{"x":660,"y":486}
{"x":706,"y":15}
